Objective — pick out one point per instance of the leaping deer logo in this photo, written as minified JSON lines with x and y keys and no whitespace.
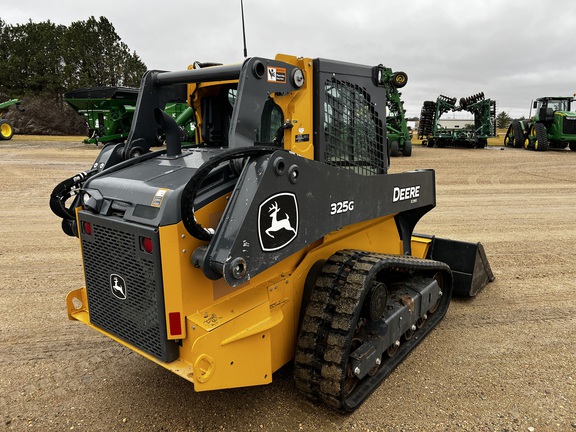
{"x":277,"y":225}
{"x":278,"y":221}
{"x":118,"y":285}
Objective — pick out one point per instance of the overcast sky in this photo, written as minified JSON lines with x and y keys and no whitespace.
{"x":512,"y":50}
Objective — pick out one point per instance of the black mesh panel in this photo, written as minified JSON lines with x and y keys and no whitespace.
{"x":112,"y":256}
{"x":353,"y":131}
{"x":569,"y":127}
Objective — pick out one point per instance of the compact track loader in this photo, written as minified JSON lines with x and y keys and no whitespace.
{"x":277,"y":237}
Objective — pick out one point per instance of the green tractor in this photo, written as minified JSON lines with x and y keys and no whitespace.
{"x":396,"y":127}
{"x":6,"y":129}
{"x":552,"y":126}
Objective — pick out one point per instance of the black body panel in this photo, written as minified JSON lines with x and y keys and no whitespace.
{"x":124,"y":283}
{"x":326,"y":198}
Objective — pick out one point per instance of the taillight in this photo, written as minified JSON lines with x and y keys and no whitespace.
{"x":146,"y":244}
{"x":86,"y":227}
{"x":175,"y":325}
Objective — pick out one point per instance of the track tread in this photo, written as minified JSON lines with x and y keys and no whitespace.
{"x":542,"y":143}
{"x":330,"y":322}
{"x":518,"y":134}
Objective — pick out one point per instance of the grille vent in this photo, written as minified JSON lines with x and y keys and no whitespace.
{"x":569,"y":126}
{"x":112,"y":252}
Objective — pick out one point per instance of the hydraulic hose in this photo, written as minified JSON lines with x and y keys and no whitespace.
{"x":65,"y":190}
{"x":193,"y":186}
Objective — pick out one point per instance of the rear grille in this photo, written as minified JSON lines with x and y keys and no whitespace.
{"x":569,"y":126}
{"x":112,"y":257}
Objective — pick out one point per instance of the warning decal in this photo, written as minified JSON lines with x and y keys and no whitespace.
{"x":276,"y":74}
{"x":302,"y":137}
{"x":158,"y":197}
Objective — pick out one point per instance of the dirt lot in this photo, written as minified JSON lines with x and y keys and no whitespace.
{"x":505,"y":361}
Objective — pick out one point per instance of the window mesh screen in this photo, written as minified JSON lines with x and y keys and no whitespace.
{"x":353,"y":132}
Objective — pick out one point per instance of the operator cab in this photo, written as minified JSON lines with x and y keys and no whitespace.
{"x":546,"y":107}
{"x":213,"y":107}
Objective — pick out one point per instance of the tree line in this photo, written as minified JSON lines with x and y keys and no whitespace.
{"x":39,"y":62}
{"x":49,"y":59}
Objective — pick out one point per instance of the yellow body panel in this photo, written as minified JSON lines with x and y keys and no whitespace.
{"x":297,"y":107}
{"x":420,"y":246}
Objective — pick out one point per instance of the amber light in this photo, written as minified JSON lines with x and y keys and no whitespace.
{"x":87,"y":228}
{"x":175,"y":325}
{"x":146,"y":244}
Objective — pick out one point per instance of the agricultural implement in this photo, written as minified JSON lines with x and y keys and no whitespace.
{"x":6,"y":129}
{"x":108,"y":112}
{"x":432,"y":133}
{"x":399,"y":137}
{"x":552,"y":126}
{"x":278,"y":237}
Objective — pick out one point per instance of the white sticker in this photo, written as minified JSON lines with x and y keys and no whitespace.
{"x":276,"y":74}
{"x":159,"y":197}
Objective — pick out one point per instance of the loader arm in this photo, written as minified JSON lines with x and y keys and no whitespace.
{"x":312,"y":199}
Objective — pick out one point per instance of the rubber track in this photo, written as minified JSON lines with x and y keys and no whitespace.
{"x":518,"y":134}
{"x":330,"y":321}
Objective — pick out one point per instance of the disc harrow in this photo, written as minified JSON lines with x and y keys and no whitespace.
{"x":475,"y":135}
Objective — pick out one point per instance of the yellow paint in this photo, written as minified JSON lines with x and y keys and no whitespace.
{"x":420,"y":246}
{"x":297,"y":106}
{"x":189,"y":290}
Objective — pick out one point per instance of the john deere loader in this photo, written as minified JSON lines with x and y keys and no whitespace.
{"x":277,"y":237}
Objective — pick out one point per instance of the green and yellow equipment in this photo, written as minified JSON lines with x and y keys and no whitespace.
{"x":108,"y":112}
{"x":277,"y":237}
{"x":552,"y":126}
{"x":475,"y":135}
{"x":6,"y":129}
{"x":399,"y":137}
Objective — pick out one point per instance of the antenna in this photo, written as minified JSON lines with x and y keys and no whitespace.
{"x":243,"y":28}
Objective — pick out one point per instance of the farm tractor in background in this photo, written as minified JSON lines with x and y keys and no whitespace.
{"x":431,"y":132}
{"x":552,"y":126}
{"x":399,"y":137}
{"x":108,"y":112}
{"x":277,"y":236}
{"x":6,"y":129}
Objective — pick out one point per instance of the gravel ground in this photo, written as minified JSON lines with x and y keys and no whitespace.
{"x":504,"y":361}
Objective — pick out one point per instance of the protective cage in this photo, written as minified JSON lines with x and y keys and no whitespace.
{"x":353,"y":126}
